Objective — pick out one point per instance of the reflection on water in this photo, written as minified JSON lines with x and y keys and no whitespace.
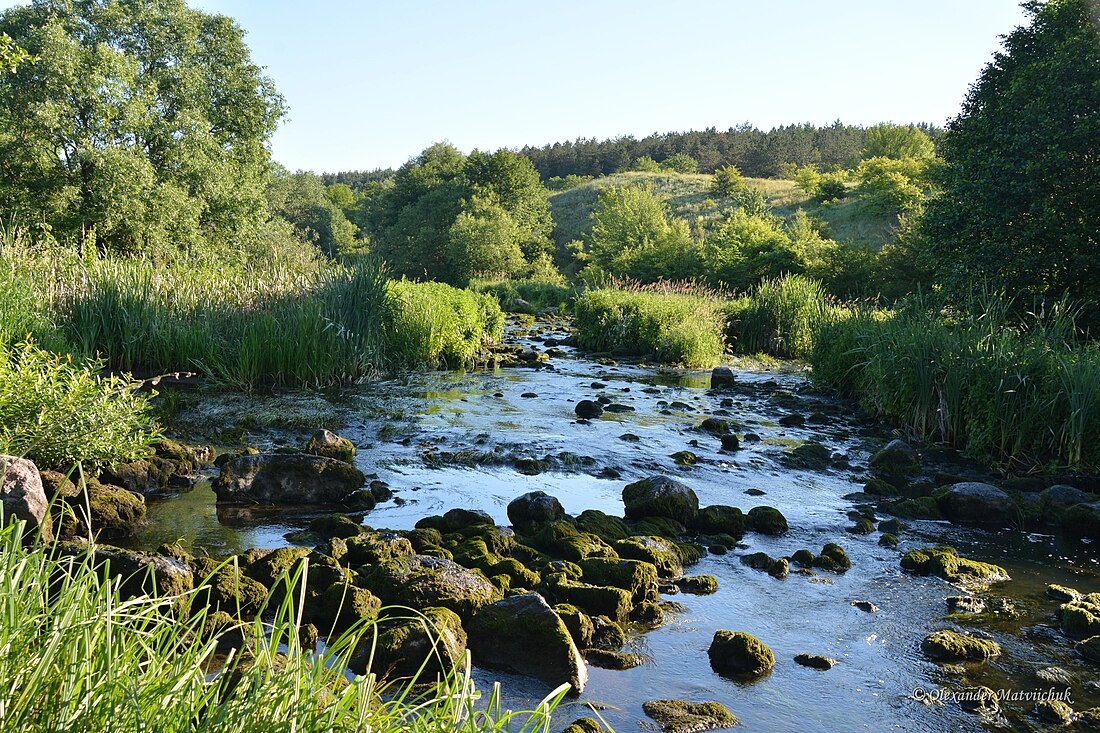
{"x":397,"y":423}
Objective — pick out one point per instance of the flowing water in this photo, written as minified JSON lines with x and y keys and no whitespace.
{"x":448,"y":439}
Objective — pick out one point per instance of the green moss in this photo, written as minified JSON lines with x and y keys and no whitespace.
{"x":809,"y":456}
{"x":660,"y":497}
{"x":921,"y":507}
{"x":115,"y":512}
{"x":562,"y":540}
{"x":944,"y":562}
{"x":377,"y":548}
{"x":420,"y":582}
{"x":838,"y":556}
{"x":519,"y":575}
{"x":658,"y":526}
{"x":661,"y":552}
{"x":227,"y":589}
{"x":583,"y":725}
{"x":803,"y":558}
{"x":329,"y":526}
{"x":889,"y":540}
{"x":720,"y":519}
{"x":1061,"y":593}
{"x":594,"y":600}
{"x":878,"y":487}
{"x":951,"y":646}
{"x":767,"y":520}
{"x":273,"y":565}
{"x":613,"y":660}
{"x":1054,"y":711}
{"x":698,"y":584}
{"x":343,"y":605}
{"x":607,"y":634}
{"x":637,"y":576}
{"x":423,"y":538}
{"x":739,"y":654}
{"x":436,"y":642}
{"x":677,"y":716}
{"x":604,"y":526}
{"x":648,"y":613}
{"x":690,"y":552}
{"x":474,"y":553}
{"x":1081,"y":618}
{"x":579,"y":624}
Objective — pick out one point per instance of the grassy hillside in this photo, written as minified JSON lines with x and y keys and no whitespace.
{"x":689,"y":197}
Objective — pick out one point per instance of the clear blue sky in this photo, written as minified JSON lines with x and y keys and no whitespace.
{"x":371,"y":83}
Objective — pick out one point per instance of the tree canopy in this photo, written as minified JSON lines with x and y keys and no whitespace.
{"x":143,"y":122}
{"x":1020,"y":206}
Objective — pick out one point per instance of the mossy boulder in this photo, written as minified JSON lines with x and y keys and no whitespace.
{"x":833,"y":558}
{"x":658,"y":526}
{"x":604,"y":526}
{"x":715,"y":426}
{"x":808,"y":456}
{"x":578,"y":622}
{"x":419,"y":581}
{"x":1053,"y":711}
{"x":660,"y":496}
{"x":273,"y":565}
{"x":426,"y":647}
{"x":330,"y":445}
{"x":815,"y":661}
{"x":722,"y":377}
{"x":457,"y":519}
{"x":341,"y":606}
{"x":700,"y":585}
{"x":945,"y":562}
{"x":921,"y":507}
{"x":377,"y":548}
{"x":767,"y":520}
{"x":1082,"y":520}
{"x":142,"y":476}
{"x":898,"y":457}
{"x":738,"y":654}
{"x":678,"y":716}
{"x":878,"y":487}
{"x":524,"y":634}
{"x":115,"y":512}
{"x":637,"y":576}
{"x":533,"y":509}
{"x":584,"y":725}
{"x":596,"y":600}
{"x":607,"y":634}
{"x":1081,"y":618}
{"x":648,"y":613}
{"x":329,"y":526}
{"x":661,"y":552}
{"x":613,"y":660}
{"x":1061,"y":593}
{"x":294,"y":478}
{"x":1089,"y":648}
{"x":563,"y":540}
{"x":518,"y":574}
{"x":720,"y":519}
{"x":951,"y":646}
{"x":588,"y":409}
{"x":225,"y":588}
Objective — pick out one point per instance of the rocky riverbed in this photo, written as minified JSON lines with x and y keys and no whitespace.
{"x":428,"y":444}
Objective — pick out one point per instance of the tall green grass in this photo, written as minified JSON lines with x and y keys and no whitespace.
{"x":77,"y":655}
{"x":305,"y":322}
{"x":669,"y":323}
{"x":527,"y":296}
{"x":1021,"y":391}
{"x":779,"y":317}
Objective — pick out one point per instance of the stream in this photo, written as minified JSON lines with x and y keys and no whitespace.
{"x":450,"y":439}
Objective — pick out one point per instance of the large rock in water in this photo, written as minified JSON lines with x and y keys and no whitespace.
{"x":290,"y":478}
{"x":141,"y":573}
{"x":722,"y":377}
{"x":739,"y":654}
{"x":522,"y":633}
{"x":660,"y":496}
{"x":23,"y":496}
{"x":898,"y":457}
{"x":426,"y":648}
{"x":972,"y":502}
{"x":330,"y":445}
{"x":1082,"y":520}
{"x":421,"y":581}
{"x":534,"y":508}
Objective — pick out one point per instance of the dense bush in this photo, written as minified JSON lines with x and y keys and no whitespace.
{"x":57,"y":412}
{"x":780,"y":317}
{"x":434,"y":323}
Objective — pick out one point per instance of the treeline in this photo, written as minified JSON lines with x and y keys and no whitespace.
{"x":755,"y":153}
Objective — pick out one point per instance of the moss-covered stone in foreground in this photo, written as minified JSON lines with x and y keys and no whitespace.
{"x":1081,"y":618}
{"x":944,"y":562}
{"x":951,"y":646}
{"x":739,"y":654}
{"x":678,"y":716}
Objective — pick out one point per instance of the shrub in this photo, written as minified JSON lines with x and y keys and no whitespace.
{"x":434,"y":323}
{"x":727,"y":181}
{"x":57,"y":412}
{"x":780,"y":317}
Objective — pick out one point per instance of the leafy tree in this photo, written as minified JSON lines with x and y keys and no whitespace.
{"x":887,"y":140}
{"x":303,"y":200}
{"x":1021,"y":183}
{"x":145,"y":122}
{"x":11,"y":55}
{"x":892,"y":186}
{"x":680,"y":163}
{"x":340,"y":195}
{"x":633,"y":236}
{"x":645,"y":164}
{"x":746,"y":248}
{"x":727,"y":181}
{"x":424,"y":223}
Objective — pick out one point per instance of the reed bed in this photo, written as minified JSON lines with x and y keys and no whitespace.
{"x":77,"y":655}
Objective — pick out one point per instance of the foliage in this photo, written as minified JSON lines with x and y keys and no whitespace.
{"x":893,"y":186}
{"x":1021,"y":196}
{"x":129,"y":664}
{"x":664,"y":323}
{"x":11,"y":55}
{"x":821,"y":187}
{"x":435,"y":323}
{"x":746,"y":248}
{"x":144,"y":123}
{"x":633,"y":236}
{"x":728,"y":181}
{"x":898,"y":142}
{"x":680,"y":163}
{"x":645,"y":164}
{"x":312,"y":209}
{"x":442,"y":202}
{"x":560,"y":183}
{"x":57,"y":412}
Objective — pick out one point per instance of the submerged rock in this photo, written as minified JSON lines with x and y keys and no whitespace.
{"x":588,"y":409}
{"x":767,"y":520}
{"x":815,"y":661}
{"x":678,"y":716}
{"x":700,"y":585}
{"x":951,"y":646}
{"x":739,"y":654}
{"x":23,"y":497}
{"x":660,"y":496}
{"x":1082,"y":520}
{"x":1081,"y":617}
{"x":522,"y":633}
{"x":295,"y":478}
{"x":613,"y":660}
{"x":1053,"y":711}
{"x":979,"y":700}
